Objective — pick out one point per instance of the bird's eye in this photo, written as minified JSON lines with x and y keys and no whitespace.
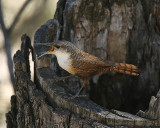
{"x":57,"y":46}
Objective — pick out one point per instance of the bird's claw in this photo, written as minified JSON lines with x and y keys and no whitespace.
{"x":77,"y":96}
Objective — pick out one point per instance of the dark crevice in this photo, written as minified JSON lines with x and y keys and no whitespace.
{"x":59,"y":15}
{"x":69,"y":120}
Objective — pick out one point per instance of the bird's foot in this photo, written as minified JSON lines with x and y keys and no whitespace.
{"x":64,"y":78}
{"x":77,"y":96}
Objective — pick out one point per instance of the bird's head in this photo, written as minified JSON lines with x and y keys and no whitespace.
{"x":58,"y":47}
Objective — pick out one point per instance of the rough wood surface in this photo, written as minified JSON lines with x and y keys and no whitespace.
{"x":120,"y":31}
{"x":84,"y":107}
{"x":106,"y":29}
{"x":47,"y":104}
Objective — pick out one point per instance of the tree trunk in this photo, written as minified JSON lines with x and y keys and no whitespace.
{"x":120,"y":31}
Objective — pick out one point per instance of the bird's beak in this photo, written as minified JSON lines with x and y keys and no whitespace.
{"x":42,"y":55}
{"x":49,"y":51}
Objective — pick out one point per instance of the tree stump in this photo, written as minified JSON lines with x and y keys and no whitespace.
{"x":121,"y":31}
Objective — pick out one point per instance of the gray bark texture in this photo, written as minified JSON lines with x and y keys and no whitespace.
{"x":121,"y":31}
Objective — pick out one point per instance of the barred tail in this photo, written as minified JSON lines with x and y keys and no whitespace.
{"x":125,"y":68}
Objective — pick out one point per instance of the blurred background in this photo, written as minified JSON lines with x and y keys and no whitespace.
{"x":34,"y":14}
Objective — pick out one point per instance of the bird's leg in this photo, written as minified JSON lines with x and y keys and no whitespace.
{"x":85,"y":82}
{"x":77,"y":94}
{"x":64,"y":78}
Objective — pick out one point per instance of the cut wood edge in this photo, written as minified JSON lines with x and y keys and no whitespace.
{"x":87,"y":108}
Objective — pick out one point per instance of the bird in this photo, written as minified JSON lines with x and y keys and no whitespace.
{"x":84,"y":65}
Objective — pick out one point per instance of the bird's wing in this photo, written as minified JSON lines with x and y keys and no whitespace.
{"x":89,"y":65}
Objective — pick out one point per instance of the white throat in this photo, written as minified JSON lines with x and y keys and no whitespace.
{"x":64,"y":60}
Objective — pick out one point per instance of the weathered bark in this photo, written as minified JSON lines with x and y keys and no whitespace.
{"x":121,"y":31}
{"x":47,"y":105}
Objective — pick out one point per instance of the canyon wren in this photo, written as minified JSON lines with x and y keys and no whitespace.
{"x":81,"y":64}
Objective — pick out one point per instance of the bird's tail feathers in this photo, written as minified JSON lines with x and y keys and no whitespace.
{"x":125,"y":69}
